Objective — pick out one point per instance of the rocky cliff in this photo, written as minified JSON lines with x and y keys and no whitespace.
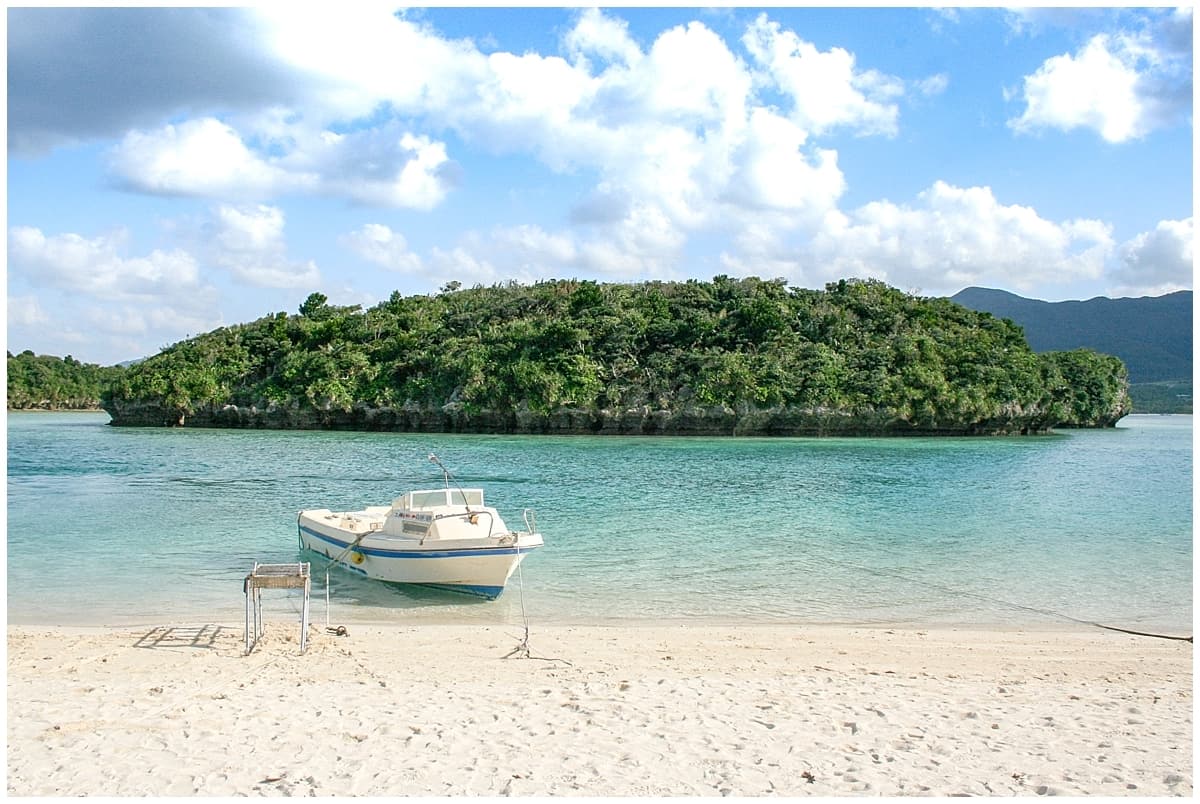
{"x":694,"y":421}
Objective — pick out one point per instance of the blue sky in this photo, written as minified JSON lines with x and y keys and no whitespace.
{"x":172,"y":170}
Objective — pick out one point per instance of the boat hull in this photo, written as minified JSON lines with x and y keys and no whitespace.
{"x":479,"y":570}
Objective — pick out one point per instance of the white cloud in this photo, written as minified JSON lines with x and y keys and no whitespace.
{"x":933,"y":85}
{"x":200,"y":157}
{"x":25,"y":311}
{"x":383,"y":166}
{"x":1123,"y":85}
{"x":691,"y":74}
{"x":1158,"y":261}
{"x":677,"y":135}
{"x":642,"y":246}
{"x":531,"y":250}
{"x":524,"y":253}
{"x":209,"y":158}
{"x":774,"y":173}
{"x":632,"y":249}
{"x":1095,"y":89}
{"x":354,"y":57}
{"x":604,"y":37}
{"x":680,"y":137}
{"x":80,"y":73}
{"x":826,"y":89}
{"x":117,"y":306}
{"x":249,"y":243}
{"x":462,"y":265}
{"x":948,"y":238}
{"x":417,"y":183}
{"x":252,"y":230}
{"x":137,"y":331}
{"x":959,"y":236}
{"x":530,"y":89}
{"x":674,"y":134}
{"x":762,"y":248}
{"x":123,"y":320}
{"x":95,"y":267}
{"x":377,"y":243}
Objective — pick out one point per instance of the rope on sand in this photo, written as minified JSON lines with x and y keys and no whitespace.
{"x":521,"y":651}
{"x":1141,"y":633}
{"x":1000,"y":602}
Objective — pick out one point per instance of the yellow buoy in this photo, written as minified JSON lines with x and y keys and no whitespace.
{"x":357,"y":558}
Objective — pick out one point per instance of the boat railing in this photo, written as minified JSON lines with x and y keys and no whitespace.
{"x":530,"y":520}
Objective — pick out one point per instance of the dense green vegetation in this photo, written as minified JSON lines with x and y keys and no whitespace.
{"x":1152,"y":335}
{"x":1161,"y":397}
{"x":53,"y":383}
{"x":857,"y":349}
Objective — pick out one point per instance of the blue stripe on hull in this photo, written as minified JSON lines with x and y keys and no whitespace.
{"x":383,"y":553}
{"x":474,"y":590}
{"x":489,"y":592}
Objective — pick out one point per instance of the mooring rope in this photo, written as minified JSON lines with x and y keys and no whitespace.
{"x":349,"y":547}
{"x":521,"y":651}
{"x":341,"y":630}
{"x":1001,"y":602}
{"x":1141,"y":633}
{"x":522,"y":648}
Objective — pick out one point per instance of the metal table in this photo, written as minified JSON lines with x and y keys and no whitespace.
{"x":274,"y":576}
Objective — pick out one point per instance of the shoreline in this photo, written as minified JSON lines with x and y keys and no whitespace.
{"x":613,"y":710}
{"x":419,"y":618}
{"x":57,"y":410}
{"x":451,"y":610}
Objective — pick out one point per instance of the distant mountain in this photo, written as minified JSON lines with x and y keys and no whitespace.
{"x":1151,"y":334}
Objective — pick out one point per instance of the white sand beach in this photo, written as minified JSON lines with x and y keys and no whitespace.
{"x":667,"y":710}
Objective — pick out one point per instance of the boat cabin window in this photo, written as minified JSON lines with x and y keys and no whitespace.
{"x":432,"y":499}
{"x":427,"y":499}
{"x":473,"y":497}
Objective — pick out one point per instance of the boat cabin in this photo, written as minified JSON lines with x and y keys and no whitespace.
{"x":438,"y":498}
{"x":442,"y":514}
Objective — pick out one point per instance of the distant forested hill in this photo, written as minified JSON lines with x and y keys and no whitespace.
{"x":1153,"y":335}
{"x":726,"y":357}
{"x":45,"y":382}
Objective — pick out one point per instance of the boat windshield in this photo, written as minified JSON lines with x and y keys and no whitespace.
{"x":472,"y":497}
{"x":427,"y":499}
{"x":434,"y":499}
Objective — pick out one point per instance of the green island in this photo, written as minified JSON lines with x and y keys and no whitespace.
{"x":45,"y":382}
{"x":726,"y":357}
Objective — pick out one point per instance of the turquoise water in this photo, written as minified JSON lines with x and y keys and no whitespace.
{"x":113,"y":525}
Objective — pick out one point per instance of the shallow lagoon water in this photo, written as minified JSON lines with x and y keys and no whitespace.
{"x":114,"y":525}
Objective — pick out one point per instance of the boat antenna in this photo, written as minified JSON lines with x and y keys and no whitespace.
{"x":434,"y":459}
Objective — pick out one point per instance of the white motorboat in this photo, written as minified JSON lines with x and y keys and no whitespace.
{"x":445,"y":538}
